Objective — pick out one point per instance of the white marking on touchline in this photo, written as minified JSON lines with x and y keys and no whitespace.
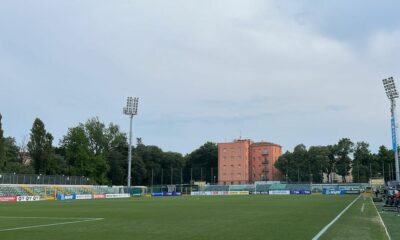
{"x":334,"y":220}
{"x":49,"y":225}
{"x":384,"y":226}
{"x":362,"y":208}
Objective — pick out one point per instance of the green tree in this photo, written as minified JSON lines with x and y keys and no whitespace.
{"x":343,"y":163}
{"x":85,"y":151}
{"x":384,"y":159}
{"x":2,"y":150}
{"x":151,"y":158}
{"x":361,"y":162}
{"x":96,"y":134}
{"x":318,"y":157}
{"x":301,"y":163}
{"x":284,"y":165}
{"x":116,"y":151}
{"x":202,"y":160}
{"x":77,"y":153}
{"x":40,"y":148}
{"x":12,"y":161}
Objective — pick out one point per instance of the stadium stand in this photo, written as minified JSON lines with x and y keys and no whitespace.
{"x":277,"y":186}
{"x":214,"y":188}
{"x":7,"y":190}
{"x":248,"y":187}
{"x":49,"y":191}
{"x":298,"y":187}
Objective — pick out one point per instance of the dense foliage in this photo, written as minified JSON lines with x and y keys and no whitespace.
{"x":343,"y":158}
{"x":99,"y":152}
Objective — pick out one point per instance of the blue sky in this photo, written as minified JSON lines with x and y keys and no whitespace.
{"x":289,"y":72}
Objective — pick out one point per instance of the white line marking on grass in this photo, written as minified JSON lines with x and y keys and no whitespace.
{"x":334,"y":220}
{"x":62,"y":218}
{"x":50,"y":224}
{"x":362,"y":208}
{"x":384,"y":226}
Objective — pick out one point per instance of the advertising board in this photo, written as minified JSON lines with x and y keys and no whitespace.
{"x":166,"y":194}
{"x":279,"y":192}
{"x":62,"y":197}
{"x":157,"y":194}
{"x":238,"y":193}
{"x":83,"y":196}
{"x":352,"y":191}
{"x":28,"y":198}
{"x":8,"y":199}
{"x":329,"y":191}
{"x":119,"y":195}
{"x":99,"y":196}
{"x":300,"y":192}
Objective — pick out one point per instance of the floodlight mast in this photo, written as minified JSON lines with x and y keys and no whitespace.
{"x":392,"y":94}
{"x":130,"y":110}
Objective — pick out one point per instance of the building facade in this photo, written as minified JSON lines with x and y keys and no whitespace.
{"x":244,"y":161}
{"x":263,"y":156}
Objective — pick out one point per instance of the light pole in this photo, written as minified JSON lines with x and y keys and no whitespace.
{"x":130,"y":110}
{"x":392,"y":94}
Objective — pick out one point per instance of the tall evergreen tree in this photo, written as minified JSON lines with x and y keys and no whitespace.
{"x":37,"y":146}
{"x":2,"y":150}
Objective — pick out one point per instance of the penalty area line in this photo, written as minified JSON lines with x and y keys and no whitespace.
{"x":56,"y":218}
{"x":334,"y":220}
{"x":51,"y":224}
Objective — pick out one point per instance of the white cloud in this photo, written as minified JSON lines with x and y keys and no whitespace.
{"x":203,"y":70}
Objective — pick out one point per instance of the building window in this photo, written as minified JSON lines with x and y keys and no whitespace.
{"x":240,"y":182}
{"x":232,"y":149}
{"x":239,"y":149}
{"x":224,"y":149}
{"x":232,"y":165}
{"x":239,"y":158}
{"x":224,"y":157}
{"x":232,"y":158}
{"x":239,"y":175}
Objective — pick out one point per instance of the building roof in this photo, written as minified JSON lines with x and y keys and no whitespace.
{"x":266,"y":144}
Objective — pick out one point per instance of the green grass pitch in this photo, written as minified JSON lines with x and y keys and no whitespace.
{"x":222,"y":217}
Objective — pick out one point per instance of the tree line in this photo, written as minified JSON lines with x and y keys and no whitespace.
{"x":99,"y":152}
{"x":342,"y":158}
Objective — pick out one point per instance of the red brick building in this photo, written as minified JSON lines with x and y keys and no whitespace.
{"x":243,"y":161}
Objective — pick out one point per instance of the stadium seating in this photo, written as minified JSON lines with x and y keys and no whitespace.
{"x":298,"y":187}
{"x":277,"y":186}
{"x":50,"y":191}
{"x":7,"y":190}
{"x":216,"y":188}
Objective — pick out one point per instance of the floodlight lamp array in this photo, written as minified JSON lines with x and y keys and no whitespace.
{"x":131,"y":106}
{"x":390,"y":88}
